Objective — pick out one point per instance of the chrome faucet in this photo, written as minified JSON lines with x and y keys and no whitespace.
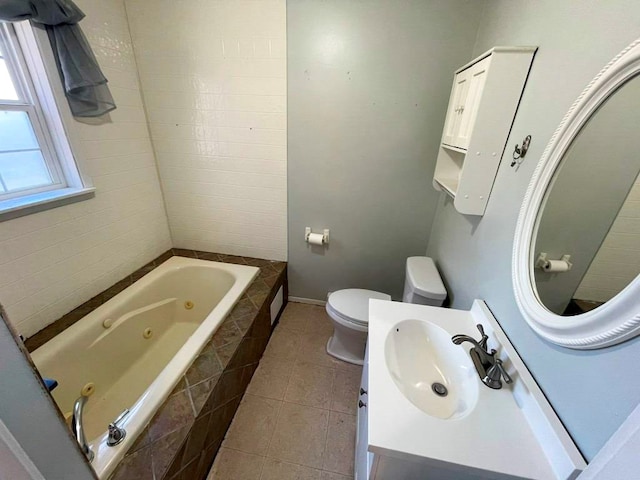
{"x":78,"y":430}
{"x":488,"y":365}
{"x":116,"y":433}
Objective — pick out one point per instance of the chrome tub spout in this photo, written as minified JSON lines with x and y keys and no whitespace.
{"x":78,"y":430}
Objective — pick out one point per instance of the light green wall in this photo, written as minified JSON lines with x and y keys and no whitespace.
{"x":368,"y":85}
{"x":593,"y":392}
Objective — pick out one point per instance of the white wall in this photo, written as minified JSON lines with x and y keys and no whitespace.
{"x":213,"y":76}
{"x":53,"y":261}
{"x":368,"y":89}
{"x":592,"y":391}
{"x":617,"y":262}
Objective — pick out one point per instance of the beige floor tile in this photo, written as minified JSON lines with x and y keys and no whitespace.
{"x":277,"y":470}
{"x":313,"y":349}
{"x":346,"y":386}
{"x":297,"y":316}
{"x":335,"y":476}
{"x":340,"y":449}
{"x":284,"y":344}
{"x":253,"y":425}
{"x":348,"y":366}
{"x":320,"y":322}
{"x":271,"y":378}
{"x":232,"y":465}
{"x":310,"y":385}
{"x":300,"y":435}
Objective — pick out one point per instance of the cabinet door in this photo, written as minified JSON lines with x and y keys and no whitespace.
{"x":362,"y":437}
{"x":476,"y":77}
{"x":456,"y":102}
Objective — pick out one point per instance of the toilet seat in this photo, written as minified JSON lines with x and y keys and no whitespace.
{"x":352,"y":305}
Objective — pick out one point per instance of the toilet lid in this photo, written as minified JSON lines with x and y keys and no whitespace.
{"x":352,"y":304}
{"x":425,"y":279}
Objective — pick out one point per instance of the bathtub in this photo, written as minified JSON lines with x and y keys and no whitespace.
{"x":130,"y":352}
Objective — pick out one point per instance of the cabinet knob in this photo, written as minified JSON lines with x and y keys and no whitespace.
{"x":361,"y":404}
{"x":362,"y":391}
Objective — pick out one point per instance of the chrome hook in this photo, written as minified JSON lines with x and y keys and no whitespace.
{"x":520,"y":152}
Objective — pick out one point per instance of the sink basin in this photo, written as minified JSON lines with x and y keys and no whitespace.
{"x":435,"y":375}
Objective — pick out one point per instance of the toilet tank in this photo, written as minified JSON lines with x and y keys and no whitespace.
{"x":422,"y":283}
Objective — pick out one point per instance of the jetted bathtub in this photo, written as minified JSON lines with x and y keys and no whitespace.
{"x":130,"y":352}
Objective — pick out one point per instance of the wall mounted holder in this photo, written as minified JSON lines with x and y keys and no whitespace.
{"x":554,"y":266}
{"x":316,"y":238}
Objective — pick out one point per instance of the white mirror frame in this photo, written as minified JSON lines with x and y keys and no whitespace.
{"x":618,"y":319}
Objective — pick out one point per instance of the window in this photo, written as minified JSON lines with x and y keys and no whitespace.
{"x":36,"y":165}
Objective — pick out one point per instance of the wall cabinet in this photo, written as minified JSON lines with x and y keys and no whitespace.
{"x":483,"y":103}
{"x":463,"y":106}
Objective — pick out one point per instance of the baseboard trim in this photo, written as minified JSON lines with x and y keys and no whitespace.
{"x":309,"y":301}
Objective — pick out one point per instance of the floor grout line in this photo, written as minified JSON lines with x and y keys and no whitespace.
{"x":273,"y":432}
{"x":292,"y":361}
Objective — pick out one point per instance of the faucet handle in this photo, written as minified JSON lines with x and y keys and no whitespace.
{"x":495,"y":374}
{"x":503,"y":371}
{"x":485,"y":337}
{"x":116,"y":435}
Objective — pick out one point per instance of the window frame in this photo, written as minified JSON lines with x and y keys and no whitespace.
{"x":40,"y":93}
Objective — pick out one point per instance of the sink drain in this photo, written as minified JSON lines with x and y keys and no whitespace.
{"x":439,"y":389}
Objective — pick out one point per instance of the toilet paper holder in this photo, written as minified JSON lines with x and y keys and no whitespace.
{"x":551,"y":266}
{"x":325,"y":235}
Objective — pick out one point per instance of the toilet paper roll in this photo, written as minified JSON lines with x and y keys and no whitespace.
{"x":316,"y":239}
{"x":554,"y":266}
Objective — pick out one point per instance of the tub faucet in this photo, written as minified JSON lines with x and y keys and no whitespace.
{"x":488,"y":365}
{"x":78,"y":430}
{"x":116,"y":433}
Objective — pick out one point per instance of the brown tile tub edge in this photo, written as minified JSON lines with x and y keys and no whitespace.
{"x":238,"y":346}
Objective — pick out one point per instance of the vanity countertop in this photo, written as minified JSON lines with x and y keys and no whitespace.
{"x":511,"y":432}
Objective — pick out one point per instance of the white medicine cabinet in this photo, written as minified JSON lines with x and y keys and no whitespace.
{"x":483,"y":103}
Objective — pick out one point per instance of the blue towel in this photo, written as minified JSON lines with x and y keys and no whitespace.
{"x":50,"y":383}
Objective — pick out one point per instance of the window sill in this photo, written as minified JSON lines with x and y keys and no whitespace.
{"x":19,"y":207}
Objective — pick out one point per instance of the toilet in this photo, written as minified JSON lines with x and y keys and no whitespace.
{"x":349,"y":308}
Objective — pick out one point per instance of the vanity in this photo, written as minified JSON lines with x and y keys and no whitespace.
{"x":425,"y":413}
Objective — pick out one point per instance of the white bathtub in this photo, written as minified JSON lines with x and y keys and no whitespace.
{"x":109,"y":347}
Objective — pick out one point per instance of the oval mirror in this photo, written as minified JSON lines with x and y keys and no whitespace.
{"x":577,"y":247}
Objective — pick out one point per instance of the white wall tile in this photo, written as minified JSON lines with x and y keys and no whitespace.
{"x":53,"y":261}
{"x":215,"y":96}
{"x":617,"y":262}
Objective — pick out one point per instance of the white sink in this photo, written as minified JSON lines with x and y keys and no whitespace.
{"x":430,"y":371}
{"x":473,"y":431}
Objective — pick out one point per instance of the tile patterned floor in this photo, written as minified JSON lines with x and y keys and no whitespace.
{"x":298,"y":417}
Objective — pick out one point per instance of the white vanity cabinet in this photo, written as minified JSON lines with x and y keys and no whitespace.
{"x":406,"y":431}
{"x":370,"y":466}
{"x":483,"y":103}
{"x":363,"y":458}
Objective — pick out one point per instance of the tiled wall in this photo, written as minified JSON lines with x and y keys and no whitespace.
{"x":213,"y":77}
{"x":618,"y":260}
{"x":55,"y":260}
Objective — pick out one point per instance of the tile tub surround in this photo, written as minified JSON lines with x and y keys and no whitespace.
{"x":297,"y":419}
{"x":268,"y":275}
{"x":184,"y":435}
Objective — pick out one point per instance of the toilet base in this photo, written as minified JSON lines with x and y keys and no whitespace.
{"x":350,"y":351}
